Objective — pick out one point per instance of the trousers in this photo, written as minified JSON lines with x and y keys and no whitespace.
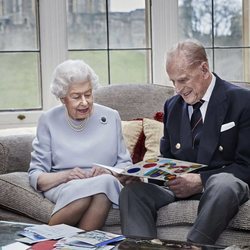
{"x":219,"y":203}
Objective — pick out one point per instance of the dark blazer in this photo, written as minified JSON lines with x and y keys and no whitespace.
{"x":223,"y":151}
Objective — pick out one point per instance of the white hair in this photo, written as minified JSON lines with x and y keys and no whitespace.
{"x":70,"y":72}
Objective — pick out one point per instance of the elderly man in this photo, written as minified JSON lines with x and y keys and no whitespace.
{"x":208,"y":122}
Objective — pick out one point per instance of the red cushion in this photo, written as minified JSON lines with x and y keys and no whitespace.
{"x":139,"y":149}
{"x":159,"y":116}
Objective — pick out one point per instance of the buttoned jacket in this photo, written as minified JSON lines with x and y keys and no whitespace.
{"x":225,"y":140}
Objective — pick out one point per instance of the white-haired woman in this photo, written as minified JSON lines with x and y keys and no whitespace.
{"x":70,"y":139}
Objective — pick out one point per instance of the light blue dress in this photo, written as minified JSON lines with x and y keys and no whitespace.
{"x":58,"y":147}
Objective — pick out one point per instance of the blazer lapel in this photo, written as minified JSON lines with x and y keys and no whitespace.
{"x":216,"y":112}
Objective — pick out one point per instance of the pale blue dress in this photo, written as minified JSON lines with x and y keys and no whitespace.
{"x":58,"y":147}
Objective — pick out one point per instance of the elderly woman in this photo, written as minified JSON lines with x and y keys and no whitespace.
{"x":70,"y":139}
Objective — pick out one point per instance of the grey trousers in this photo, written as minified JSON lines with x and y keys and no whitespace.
{"x":219,"y":203}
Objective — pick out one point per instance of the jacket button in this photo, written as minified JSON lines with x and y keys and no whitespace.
{"x":178,"y":146}
{"x":220,"y":148}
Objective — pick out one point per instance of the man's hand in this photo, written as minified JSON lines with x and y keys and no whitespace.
{"x":185,"y":185}
{"x":125,"y":179}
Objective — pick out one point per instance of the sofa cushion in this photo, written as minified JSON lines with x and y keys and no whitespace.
{"x":139,"y":150}
{"x":153,"y":131}
{"x":17,"y":195}
{"x":113,"y":217}
{"x":132,"y":131}
{"x":184,"y":213}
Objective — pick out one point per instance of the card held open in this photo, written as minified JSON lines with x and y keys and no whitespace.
{"x":159,"y":168}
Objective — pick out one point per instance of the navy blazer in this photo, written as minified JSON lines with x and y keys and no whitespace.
{"x":223,"y":151}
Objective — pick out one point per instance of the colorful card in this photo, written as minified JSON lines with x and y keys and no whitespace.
{"x":91,"y":239}
{"x":158,"y":168}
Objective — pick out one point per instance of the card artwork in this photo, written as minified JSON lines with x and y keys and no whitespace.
{"x":162,"y":168}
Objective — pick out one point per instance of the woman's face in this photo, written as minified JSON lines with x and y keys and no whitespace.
{"x":79,"y":100}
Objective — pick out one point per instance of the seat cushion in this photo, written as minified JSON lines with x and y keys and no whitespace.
{"x":17,"y":195}
{"x":184,"y":213}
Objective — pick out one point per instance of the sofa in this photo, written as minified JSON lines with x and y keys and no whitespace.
{"x":140,"y":107}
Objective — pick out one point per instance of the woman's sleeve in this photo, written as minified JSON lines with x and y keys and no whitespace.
{"x":123,"y":156}
{"x":41,"y":157}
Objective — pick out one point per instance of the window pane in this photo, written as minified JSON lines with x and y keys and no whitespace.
{"x":129,"y":67}
{"x":94,"y":40}
{"x":228,"y":22}
{"x":245,"y":22}
{"x":19,"y":56}
{"x":210,"y":58}
{"x":128,"y":25}
{"x":87,"y":24}
{"x":195,"y":20}
{"x":20,"y":84}
{"x":97,"y":60}
{"x":225,"y":69}
{"x":18,"y":25}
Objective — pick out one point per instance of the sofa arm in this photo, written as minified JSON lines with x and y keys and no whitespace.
{"x":3,"y":158}
{"x":15,"y":149}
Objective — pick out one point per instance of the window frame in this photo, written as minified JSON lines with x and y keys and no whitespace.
{"x":54,"y":50}
{"x":52,"y":15}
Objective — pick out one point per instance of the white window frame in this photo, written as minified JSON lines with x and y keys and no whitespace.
{"x":53,"y":45}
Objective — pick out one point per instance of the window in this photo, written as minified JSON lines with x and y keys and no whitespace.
{"x":19,"y":56}
{"x":223,"y":27}
{"x":124,"y":41}
{"x":113,"y":36}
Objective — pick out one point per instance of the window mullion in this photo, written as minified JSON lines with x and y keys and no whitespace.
{"x":164,"y":35}
{"x":246,"y":39}
{"x":53,"y":37}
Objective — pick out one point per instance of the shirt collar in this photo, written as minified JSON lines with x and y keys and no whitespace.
{"x":210,"y":88}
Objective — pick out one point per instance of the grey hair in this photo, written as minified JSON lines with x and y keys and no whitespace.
{"x":192,"y":49}
{"x":70,"y":72}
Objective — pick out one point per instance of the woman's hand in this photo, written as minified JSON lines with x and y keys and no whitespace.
{"x":98,"y":171}
{"x":47,"y":181}
{"x":77,"y":173}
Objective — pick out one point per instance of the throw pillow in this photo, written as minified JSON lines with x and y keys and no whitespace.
{"x":153,"y":131}
{"x":132,"y":133}
{"x":139,"y":150}
{"x":159,"y":116}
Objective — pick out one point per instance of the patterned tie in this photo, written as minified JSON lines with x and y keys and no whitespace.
{"x":196,"y":124}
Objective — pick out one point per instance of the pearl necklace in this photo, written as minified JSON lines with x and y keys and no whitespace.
{"x":77,"y":128}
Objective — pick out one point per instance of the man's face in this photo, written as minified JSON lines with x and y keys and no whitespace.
{"x":79,"y":100}
{"x":190,"y":81}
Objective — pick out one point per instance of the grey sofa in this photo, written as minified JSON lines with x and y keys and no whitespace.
{"x":19,"y":202}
